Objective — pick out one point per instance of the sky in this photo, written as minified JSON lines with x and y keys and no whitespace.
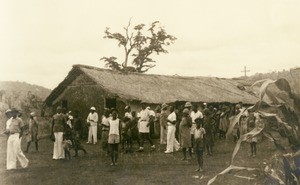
{"x":40,"y":41}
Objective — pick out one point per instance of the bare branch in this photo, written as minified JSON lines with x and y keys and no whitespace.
{"x":139,"y":45}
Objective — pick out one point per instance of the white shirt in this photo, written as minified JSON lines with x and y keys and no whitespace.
{"x":171,"y":117}
{"x":151,"y":113}
{"x":143,"y":121}
{"x":114,"y":126}
{"x":105,"y":121}
{"x":92,"y":118}
{"x":195,"y":115}
{"x":8,"y":122}
{"x":198,"y":133}
{"x":69,"y":122}
{"x":128,"y":115}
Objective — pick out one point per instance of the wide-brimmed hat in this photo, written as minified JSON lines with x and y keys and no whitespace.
{"x":164,"y":105}
{"x":188,"y":104}
{"x":32,"y":114}
{"x":7,"y":111}
{"x":58,"y":108}
{"x":92,"y":108}
{"x":13,"y":111}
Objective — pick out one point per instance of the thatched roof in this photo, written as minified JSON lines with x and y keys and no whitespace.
{"x":151,"y":88}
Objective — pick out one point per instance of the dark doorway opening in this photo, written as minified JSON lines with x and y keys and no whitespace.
{"x":110,"y":103}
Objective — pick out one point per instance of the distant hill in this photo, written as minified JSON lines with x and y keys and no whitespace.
{"x":21,"y":95}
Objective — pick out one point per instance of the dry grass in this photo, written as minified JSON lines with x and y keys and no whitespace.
{"x":136,"y":168}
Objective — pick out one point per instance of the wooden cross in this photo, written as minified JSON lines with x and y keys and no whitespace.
{"x":245,"y":71}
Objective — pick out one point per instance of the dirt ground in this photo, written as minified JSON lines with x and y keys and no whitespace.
{"x":136,"y":168}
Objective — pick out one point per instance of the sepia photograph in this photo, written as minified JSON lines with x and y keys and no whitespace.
{"x":149,"y":92}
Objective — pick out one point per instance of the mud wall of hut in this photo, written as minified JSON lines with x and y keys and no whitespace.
{"x":82,"y":94}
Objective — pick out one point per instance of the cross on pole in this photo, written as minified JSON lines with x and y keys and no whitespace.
{"x":245,"y":71}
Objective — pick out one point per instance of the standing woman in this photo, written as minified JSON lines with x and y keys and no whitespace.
{"x":14,"y":129}
{"x":33,"y":132}
{"x":114,"y":137}
{"x":163,"y":124}
{"x":184,"y":133}
{"x":224,"y":122}
{"x":58,"y":128}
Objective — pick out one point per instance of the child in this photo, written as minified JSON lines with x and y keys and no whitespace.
{"x":132,"y":132}
{"x":73,"y":136}
{"x":114,"y":136}
{"x":67,"y":138}
{"x":199,"y":143}
{"x":32,"y":135}
{"x":67,"y":144}
{"x":253,"y":121}
{"x":77,"y":145}
{"x":105,"y":130}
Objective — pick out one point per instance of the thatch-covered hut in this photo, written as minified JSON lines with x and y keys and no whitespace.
{"x":87,"y":86}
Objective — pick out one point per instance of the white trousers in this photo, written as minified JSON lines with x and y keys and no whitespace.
{"x":15,"y":153}
{"x":58,"y":151}
{"x":163,"y":135}
{"x":172,"y":143}
{"x":92,"y":134}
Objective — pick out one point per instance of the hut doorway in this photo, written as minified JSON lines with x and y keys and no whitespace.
{"x":110,"y":103}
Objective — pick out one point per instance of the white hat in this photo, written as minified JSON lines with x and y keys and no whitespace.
{"x":93,"y":108}
{"x":188,"y":104}
{"x":70,"y":117}
{"x":148,"y":108}
{"x":32,"y":114}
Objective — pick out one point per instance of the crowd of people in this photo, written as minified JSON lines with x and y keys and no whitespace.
{"x":190,"y":128}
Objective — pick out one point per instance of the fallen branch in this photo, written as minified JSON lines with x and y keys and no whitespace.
{"x":244,"y":177}
{"x":229,"y":169}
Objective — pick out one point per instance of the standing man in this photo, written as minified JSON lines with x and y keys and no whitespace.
{"x":58,"y":128}
{"x":92,"y":120}
{"x":14,"y":129}
{"x":171,"y":141}
{"x":144,"y":128}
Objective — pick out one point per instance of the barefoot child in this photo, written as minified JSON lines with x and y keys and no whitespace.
{"x":32,"y":135}
{"x":67,"y":144}
{"x":199,"y":143}
{"x":114,"y":137}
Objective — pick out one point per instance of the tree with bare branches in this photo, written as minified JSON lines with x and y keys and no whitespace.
{"x":139,"y":44}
